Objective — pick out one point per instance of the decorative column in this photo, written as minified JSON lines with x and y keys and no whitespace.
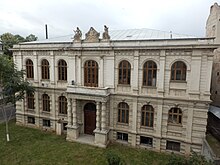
{"x":103,"y":123}
{"x":69,"y":112}
{"x":98,"y":116}
{"x":74,"y":112}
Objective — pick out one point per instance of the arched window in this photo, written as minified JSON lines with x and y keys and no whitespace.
{"x":124,"y":72}
{"x":46,"y":102}
{"x":29,"y":69}
{"x":175,"y":116}
{"x":62,"y":70}
{"x":149,"y":73}
{"x":45,"y":71}
{"x":30,"y":101}
{"x":62,"y":105}
{"x":147,"y":116}
{"x":178,"y":71}
{"x":123,"y":112}
{"x":91,"y":73}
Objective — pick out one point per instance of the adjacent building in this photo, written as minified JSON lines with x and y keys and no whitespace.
{"x":140,"y":87}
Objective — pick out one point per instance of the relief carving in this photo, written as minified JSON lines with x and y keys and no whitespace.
{"x":92,"y":35}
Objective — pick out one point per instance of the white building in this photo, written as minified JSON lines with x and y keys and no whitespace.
{"x":139,"y":87}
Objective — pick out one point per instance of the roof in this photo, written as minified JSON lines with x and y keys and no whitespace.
{"x":123,"y":35}
{"x":215,"y":111}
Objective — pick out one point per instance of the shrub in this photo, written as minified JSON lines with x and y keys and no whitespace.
{"x":113,"y":158}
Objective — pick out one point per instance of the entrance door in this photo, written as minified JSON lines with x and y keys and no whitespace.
{"x":89,"y":118}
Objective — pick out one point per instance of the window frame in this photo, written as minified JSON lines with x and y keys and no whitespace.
{"x":45,"y":103}
{"x":182,"y":68}
{"x":150,"y":73}
{"x":147,"y":110}
{"x":123,"y":113}
{"x":148,"y":139}
{"x":122,"y":136}
{"x":31,"y":120}
{"x":62,"y":70}
{"x":62,"y":101}
{"x":91,"y":73}
{"x":171,"y":116}
{"x":30,"y":101}
{"x":45,"y":69}
{"x":29,"y":69}
{"x":170,"y":145}
{"x":46,"y":123}
{"x":124,"y":73}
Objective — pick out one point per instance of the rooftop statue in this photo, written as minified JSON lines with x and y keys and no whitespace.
{"x":78,"y":34}
{"x":105,"y":34}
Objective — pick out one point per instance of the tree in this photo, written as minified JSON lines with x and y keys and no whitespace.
{"x":8,"y":40}
{"x":30,"y":38}
{"x":12,"y":84}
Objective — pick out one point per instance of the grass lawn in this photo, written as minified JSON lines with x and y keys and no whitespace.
{"x":214,"y":144}
{"x":32,"y":146}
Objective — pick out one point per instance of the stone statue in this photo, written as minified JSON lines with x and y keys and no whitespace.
{"x":78,"y":34}
{"x":105,"y":34}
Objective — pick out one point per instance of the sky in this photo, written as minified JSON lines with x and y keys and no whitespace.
{"x":26,"y":17}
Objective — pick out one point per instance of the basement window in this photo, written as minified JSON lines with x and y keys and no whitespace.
{"x":122,"y":136}
{"x":31,"y":120}
{"x":46,"y":123}
{"x":146,"y":140}
{"x":173,"y":146}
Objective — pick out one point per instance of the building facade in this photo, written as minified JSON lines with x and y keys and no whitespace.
{"x":142,"y":88}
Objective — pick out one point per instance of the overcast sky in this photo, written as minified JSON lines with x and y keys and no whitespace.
{"x":62,"y":16}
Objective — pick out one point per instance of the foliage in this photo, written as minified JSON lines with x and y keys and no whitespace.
{"x":8,"y":40}
{"x":113,"y":158}
{"x":194,"y":159}
{"x":12,"y":82}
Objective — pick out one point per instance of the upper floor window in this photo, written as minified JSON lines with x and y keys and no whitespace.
{"x":62,"y":105}
{"x":175,"y":116}
{"x":62,"y":70}
{"x":29,"y":69}
{"x":30,"y":101}
{"x":45,"y":71}
{"x":147,"y":116}
{"x":124,"y":72}
{"x":123,"y":112}
{"x":149,"y":73}
{"x":91,"y":73}
{"x":46,"y":102}
{"x":178,"y":71}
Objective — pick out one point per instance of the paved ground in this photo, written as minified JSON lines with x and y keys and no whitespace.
{"x":10,"y":111}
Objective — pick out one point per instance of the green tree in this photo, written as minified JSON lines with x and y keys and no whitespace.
{"x":12,"y":85}
{"x":30,"y":38}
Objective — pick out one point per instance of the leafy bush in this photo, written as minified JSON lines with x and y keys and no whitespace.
{"x":113,"y":158}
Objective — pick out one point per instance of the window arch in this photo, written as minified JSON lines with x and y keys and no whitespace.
{"x":178,"y":71}
{"x":149,"y":73}
{"x":175,"y":116}
{"x":30,"y":101}
{"x":62,"y":105}
{"x":62,"y":70}
{"x":45,"y":71}
{"x":147,"y":116}
{"x":123,"y":112}
{"x":29,"y":69}
{"x":124,"y":72}
{"x":91,"y":73}
{"x":46,"y":102}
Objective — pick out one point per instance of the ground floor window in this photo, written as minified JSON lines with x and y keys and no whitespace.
{"x":174,"y":146}
{"x":122,"y":136}
{"x":31,"y":120}
{"x":146,"y":140}
{"x":46,"y":123}
{"x":64,"y":126}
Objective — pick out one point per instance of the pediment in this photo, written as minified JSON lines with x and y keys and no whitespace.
{"x":92,"y":35}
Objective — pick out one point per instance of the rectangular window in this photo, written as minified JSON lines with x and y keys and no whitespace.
{"x":146,"y":140}
{"x":174,"y":146}
{"x":31,"y":120}
{"x":122,"y":136}
{"x":46,"y":123}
